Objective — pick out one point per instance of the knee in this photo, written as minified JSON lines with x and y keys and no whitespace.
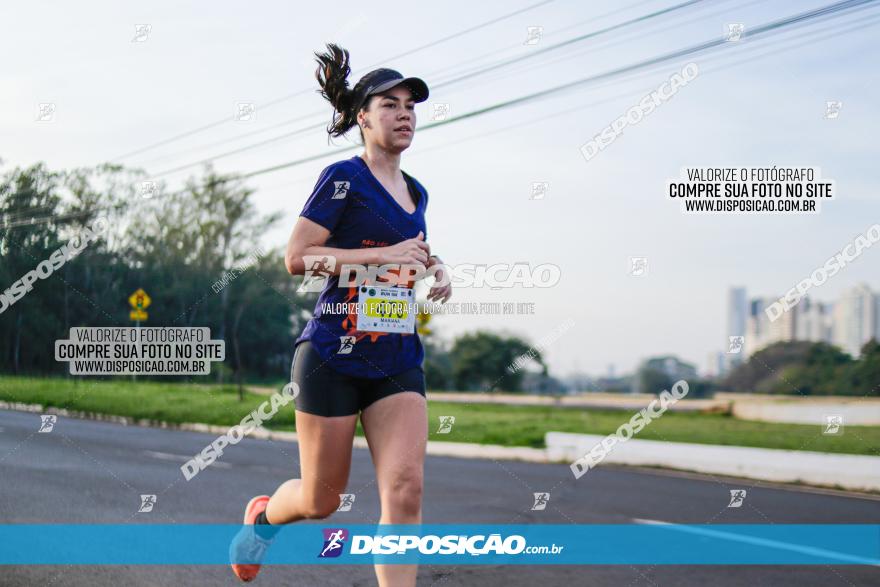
{"x":321,"y":506}
{"x":404,"y":496}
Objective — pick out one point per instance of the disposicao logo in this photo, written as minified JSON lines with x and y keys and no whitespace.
{"x":334,"y":541}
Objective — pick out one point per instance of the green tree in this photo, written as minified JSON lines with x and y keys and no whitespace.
{"x":437,"y":365}
{"x":653,"y":380}
{"x":26,"y":196}
{"x":797,"y":367}
{"x":864,"y":375}
{"x":176,"y":246}
{"x":266,"y":314}
{"x":485,"y":361}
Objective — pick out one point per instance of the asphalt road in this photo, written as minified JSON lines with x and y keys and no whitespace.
{"x":94,"y":472}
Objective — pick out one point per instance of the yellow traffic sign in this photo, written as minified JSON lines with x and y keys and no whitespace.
{"x":423,"y":319}
{"x":139,"y":300}
{"x":138,"y":315}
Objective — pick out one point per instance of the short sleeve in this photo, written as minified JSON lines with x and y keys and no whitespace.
{"x":329,"y":197}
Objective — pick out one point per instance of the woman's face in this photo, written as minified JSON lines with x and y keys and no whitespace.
{"x":390,"y":119}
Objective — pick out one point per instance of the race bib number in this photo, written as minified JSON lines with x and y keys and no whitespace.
{"x":385,"y":309}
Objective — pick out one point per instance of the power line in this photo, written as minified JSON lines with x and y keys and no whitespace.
{"x":824,"y":11}
{"x":805,"y":17}
{"x":453,"y":67}
{"x":629,"y":38}
{"x":573,"y":40}
{"x":231,"y":139}
{"x":530,"y":55}
{"x":472,"y":60}
{"x":749,"y":33}
{"x":871,"y":21}
{"x":306,"y":90}
{"x":469,"y":74}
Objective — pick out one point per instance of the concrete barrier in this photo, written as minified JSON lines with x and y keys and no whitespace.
{"x":855,"y":412}
{"x":854,"y":472}
{"x":597,"y":401}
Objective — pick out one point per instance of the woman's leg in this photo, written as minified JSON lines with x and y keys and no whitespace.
{"x":326,"y":418}
{"x":396,"y":428}
{"x":325,"y":445}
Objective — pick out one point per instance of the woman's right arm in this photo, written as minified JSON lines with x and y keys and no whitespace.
{"x":308,"y":238}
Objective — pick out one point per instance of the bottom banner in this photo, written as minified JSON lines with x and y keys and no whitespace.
{"x":538,"y":544}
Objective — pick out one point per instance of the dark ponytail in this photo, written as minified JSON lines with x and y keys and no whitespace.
{"x":332,"y":73}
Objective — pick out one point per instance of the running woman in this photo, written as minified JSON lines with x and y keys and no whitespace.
{"x":363,"y":211}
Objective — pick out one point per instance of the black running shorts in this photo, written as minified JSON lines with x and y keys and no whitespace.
{"x":326,"y":392}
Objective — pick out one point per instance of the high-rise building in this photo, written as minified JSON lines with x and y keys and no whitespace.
{"x":855,"y":319}
{"x":848,"y":323}
{"x":877,"y":317}
{"x":813,"y":321}
{"x":761,"y":332}
{"x":715,"y":364}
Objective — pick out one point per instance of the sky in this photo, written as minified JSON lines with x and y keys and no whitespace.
{"x":756,"y":103}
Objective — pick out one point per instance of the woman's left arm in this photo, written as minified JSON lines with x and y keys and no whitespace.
{"x":442,"y":288}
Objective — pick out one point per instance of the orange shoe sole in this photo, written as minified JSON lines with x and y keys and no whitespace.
{"x":254,"y":507}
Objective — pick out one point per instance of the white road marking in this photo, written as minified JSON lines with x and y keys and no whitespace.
{"x":821,"y":552}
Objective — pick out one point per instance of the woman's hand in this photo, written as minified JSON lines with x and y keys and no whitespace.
{"x":440,"y":293}
{"x":412,"y":251}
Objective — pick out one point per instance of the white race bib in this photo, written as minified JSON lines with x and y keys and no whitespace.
{"x":385,"y":309}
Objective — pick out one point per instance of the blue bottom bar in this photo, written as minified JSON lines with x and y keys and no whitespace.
{"x":454,"y":544}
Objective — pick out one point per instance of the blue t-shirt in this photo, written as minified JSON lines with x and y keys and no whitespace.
{"x":359,"y":212}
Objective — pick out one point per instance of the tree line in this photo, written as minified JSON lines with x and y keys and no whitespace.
{"x":808,"y":368}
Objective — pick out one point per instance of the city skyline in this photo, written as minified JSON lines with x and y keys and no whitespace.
{"x":848,"y":322}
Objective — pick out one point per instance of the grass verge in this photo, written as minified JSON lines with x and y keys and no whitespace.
{"x":483,"y":424}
